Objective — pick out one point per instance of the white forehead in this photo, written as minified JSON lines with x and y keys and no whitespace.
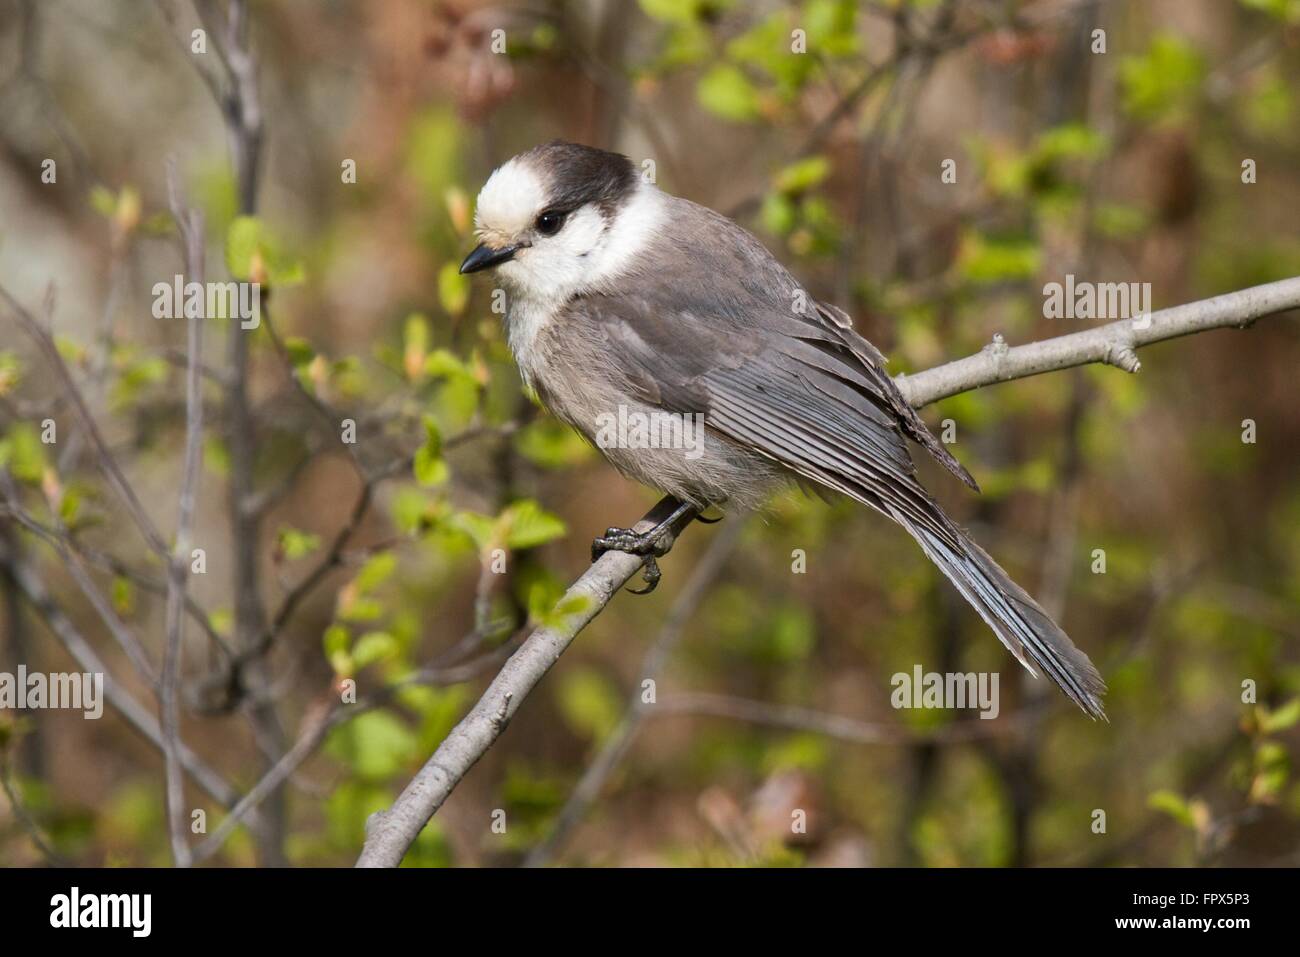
{"x":510,"y":200}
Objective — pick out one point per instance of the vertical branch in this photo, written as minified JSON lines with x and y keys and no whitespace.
{"x":238,"y":97}
{"x":191,"y":225}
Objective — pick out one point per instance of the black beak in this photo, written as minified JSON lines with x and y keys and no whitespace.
{"x":485,"y":257}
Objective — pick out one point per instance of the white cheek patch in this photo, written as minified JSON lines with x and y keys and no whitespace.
{"x":579,"y":238}
{"x":507,"y":203}
{"x":639,"y":221}
{"x":553,"y":267}
{"x":588,"y":252}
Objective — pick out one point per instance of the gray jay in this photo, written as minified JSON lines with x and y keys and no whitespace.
{"x":625,"y":300}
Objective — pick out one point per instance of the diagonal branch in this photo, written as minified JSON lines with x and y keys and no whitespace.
{"x":1114,"y":344}
{"x":136,"y":714}
{"x":390,"y":833}
{"x":107,"y":462}
{"x":619,"y":742}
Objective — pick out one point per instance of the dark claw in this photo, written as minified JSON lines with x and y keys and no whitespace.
{"x":709,"y":521}
{"x":651,"y":574}
{"x":643,"y":544}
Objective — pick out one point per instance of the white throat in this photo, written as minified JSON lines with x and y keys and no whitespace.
{"x":587,"y":255}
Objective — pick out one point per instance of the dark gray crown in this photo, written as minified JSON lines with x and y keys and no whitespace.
{"x":576,"y":175}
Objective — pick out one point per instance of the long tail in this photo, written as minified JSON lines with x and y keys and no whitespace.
{"x":1015,"y":618}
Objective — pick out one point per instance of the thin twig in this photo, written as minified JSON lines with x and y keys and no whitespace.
{"x":191,"y":224}
{"x":107,"y":462}
{"x":136,"y":715}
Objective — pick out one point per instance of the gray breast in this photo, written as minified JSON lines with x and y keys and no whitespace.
{"x":583,"y":383}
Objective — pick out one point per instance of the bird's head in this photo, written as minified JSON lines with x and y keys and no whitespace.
{"x":561,"y":218}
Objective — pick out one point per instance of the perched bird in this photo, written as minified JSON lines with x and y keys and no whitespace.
{"x":622,"y":296}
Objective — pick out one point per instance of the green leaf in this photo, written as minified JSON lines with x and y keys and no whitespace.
{"x":429,"y":466}
{"x":590,"y":704}
{"x":831,"y":27}
{"x":768,"y":47}
{"x":1272,"y":769}
{"x":295,"y":544}
{"x":103,"y":201}
{"x":985,"y":259}
{"x":243,"y":241}
{"x":1281,"y":719}
{"x":123,"y":595}
{"x":1070,"y":141}
{"x":1119,"y":220}
{"x":299,"y":351}
{"x":671,"y":11}
{"x":803,"y":175}
{"x":433,"y":152}
{"x":453,"y":289}
{"x":136,"y":376}
{"x":442,"y":364}
{"x":793,"y":633}
{"x":336,"y":642}
{"x":1286,"y":10}
{"x":361,"y":609}
{"x":432,"y":435}
{"x":726,"y":91}
{"x":11,"y":371}
{"x":377,"y":570}
{"x":685,"y":44}
{"x":250,"y":249}
{"x":70,"y":350}
{"x":410,"y":510}
{"x":551,"y":444}
{"x":216,"y":456}
{"x":22,"y":453}
{"x":1167,"y":802}
{"x":543,"y":595}
{"x":374,"y":646}
{"x":70,"y":506}
{"x":1270,"y":103}
{"x":527,"y":525}
{"x":779,"y":214}
{"x":376,"y":745}
{"x":480,"y":529}
{"x":1161,"y":82}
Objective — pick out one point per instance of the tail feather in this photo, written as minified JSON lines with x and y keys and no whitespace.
{"x":1018,"y":621}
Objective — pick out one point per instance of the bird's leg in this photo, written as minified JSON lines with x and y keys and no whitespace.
{"x":648,"y":545}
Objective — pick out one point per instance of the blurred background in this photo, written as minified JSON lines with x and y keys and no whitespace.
{"x":1142,"y":511}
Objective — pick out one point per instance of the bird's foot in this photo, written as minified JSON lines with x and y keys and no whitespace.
{"x":647,"y":545}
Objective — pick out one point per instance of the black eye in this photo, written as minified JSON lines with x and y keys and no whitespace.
{"x":549,"y":223}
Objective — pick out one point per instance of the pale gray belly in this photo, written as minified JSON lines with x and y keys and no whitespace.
{"x":579,"y":385}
